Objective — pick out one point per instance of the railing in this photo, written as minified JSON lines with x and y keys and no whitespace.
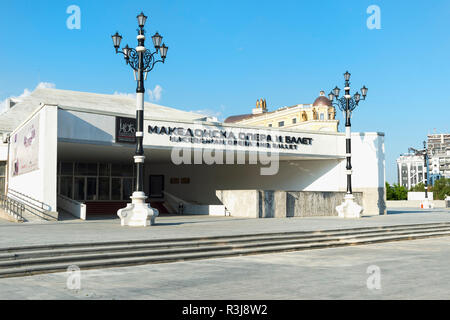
{"x":32,"y":206}
{"x":29,"y":200}
{"x":12,"y":207}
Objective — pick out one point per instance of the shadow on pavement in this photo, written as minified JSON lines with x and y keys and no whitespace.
{"x":406,"y":210}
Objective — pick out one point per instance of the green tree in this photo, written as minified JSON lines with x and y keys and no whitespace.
{"x":441,"y":189}
{"x":396,"y":192}
{"x":420,"y":187}
{"x":401,"y":193}
{"x":390,"y":194}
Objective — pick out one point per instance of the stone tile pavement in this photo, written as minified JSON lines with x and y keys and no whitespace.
{"x":416,"y":269}
{"x":101,"y":229}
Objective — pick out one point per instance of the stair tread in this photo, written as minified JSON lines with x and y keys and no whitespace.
{"x":180,"y":257}
{"x":196,"y":244}
{"x":221,"y":238}
{"x":168,"y":252}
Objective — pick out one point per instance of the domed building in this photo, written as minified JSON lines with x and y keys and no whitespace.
{"x":319,"y":116}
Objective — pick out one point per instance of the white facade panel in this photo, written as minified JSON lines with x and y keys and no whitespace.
{"x":40,"y":184}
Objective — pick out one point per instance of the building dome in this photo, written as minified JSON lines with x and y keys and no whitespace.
{"x":322,"y":101}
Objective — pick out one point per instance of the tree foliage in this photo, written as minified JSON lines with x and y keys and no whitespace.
{"x":396,"y":192}
{"x":440,"y":190}
{"x":420,"y":187}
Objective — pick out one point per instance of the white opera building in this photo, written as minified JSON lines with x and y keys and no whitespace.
{"x":72,"y":152}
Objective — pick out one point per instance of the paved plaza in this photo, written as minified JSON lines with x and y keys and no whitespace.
{"x":167,"y":227}
{"x":416,"y":269}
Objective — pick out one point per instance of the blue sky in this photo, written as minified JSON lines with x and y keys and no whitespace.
{"x":224,"y":55}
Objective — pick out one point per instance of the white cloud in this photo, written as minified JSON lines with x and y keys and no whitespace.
{"x":46,"y":85}
{"x":211,"y":112}
{"x":127,"y":95}
{"x":155,"y":94}
{"x":26,"y":93}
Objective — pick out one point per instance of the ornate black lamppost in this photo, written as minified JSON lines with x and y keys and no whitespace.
{"x":347,"y":104}
{"x":142,"y":61}
{"x":424,"y":153}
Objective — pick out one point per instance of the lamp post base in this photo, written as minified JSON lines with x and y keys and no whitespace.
{"x":349,"y":208}
{"x":137,"y":213}
{"x":426,"y":204}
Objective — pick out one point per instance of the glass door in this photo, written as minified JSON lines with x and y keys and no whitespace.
{"x":156,"y":186}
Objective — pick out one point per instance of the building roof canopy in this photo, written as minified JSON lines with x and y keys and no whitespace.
{"x":120,"y":104}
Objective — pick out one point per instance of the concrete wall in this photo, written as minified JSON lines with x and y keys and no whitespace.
{"x":40,"y":184}
{"x":281,"y":204}
{"x":311,"y":204}
{"x":419,"y":195}
{"x":240,"y":203}
{"x":77,"y":209}
{"x":302,"y":175}
{"x":413,"y":203}
{"x":368,"y":162}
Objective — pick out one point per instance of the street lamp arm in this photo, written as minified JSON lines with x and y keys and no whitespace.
{"x":150,"y":61}
{"x":132,"y":59}
{"x":341,"y":103}
{"x":153,"y":64}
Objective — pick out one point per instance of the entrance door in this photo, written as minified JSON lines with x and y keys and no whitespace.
{"x":156,"y":186}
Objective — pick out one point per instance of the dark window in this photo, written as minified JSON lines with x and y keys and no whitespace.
{"x":91,"y":189}
{"x":116,"y":188}
{"x":156,"y":186}
{"x":79,"y":188}
{"x":67,"y":169}
{"x":104,"y":170}
{"x":103,"y":188}
{"x":127,"y":188}
{"x":66,"y":187}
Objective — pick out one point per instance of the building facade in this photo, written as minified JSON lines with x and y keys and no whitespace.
{"x":319,"y":116}
{"x":439,"y":152}
{"x":410,"y":170}
{"x":64,"y":148}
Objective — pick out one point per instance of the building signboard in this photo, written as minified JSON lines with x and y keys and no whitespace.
{"x":206,"y":136}
{"x":125,"y":130}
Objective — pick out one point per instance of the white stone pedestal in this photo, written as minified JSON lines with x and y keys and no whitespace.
{"x":349,"y":208}
{"x":137,"y":213}
{"x":426,"y":204}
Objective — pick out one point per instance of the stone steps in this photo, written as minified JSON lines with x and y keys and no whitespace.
{"x":27,"y":260}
